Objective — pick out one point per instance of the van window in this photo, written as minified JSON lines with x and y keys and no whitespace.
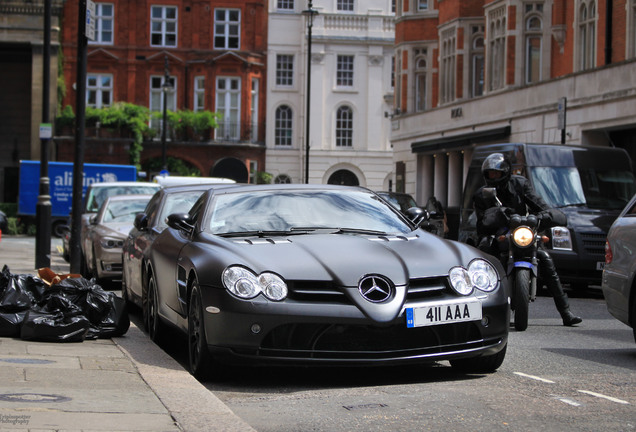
{"x":596,"y":189}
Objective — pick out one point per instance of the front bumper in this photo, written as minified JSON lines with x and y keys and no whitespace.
{"x":338,"y":333}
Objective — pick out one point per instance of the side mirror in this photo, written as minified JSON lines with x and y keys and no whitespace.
{"x":141,"y":221}
{"x":417,"y":215}
{"x":92,"y":220}
{"x":181,"y":222}
{"x":489,"y":193}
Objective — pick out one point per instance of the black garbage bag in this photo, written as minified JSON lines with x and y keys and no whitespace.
{"x":54,"y":327}
{"x":10,"y":323}
{"x":106,"y":313}
{"x":19,"y":292}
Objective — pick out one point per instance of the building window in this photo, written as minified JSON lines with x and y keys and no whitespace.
{"x":254,"y":105}
{"x":422,"y":5}
{"x":156,"y":98}
{"x":447,"y":75}
{"x":344,"y":5}
{"x":344,"y":127}
{"x":104,"y":24}
{"x":534,"y":42}
{"x":287,"y":5}
{"x":477,"y":61}
{"x":163,"y":26}
{"x":497,"y":49}
{"x":421,"y":69}
{"x":228,"y":104}
{"x":587,"y":35}
{"x":199,"y":93}
{"x":344,"y":71}
{"x":227,"y":28}
{"x":99,"y":90}
{"x":284,"y":70}
{"x":392,"y":71}
{"x":283,"y":126}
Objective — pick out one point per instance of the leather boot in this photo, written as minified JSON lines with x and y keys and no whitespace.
{"x":563,"y":306}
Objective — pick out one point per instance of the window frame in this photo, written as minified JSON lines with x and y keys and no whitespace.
{"x":283,"y":126}
{"x":345,"y":70}
{"x":344,"y":127}
{"x":285,"y":72}
{"x":98,"y":90}
{"x":228,"y":24}
{"x":100,"y":19}
{"x":164,"y":22}
{"x":198,"y":101}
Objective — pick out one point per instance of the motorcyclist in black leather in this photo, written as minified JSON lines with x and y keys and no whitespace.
{"x":516,"y":193}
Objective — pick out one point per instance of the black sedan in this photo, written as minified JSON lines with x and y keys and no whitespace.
{"x":321,"y":275}
{"x":147,"y":226}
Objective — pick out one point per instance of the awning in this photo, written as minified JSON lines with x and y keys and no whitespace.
{"x":457,"y":141}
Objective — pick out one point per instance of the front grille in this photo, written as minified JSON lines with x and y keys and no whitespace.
{"x":594,"y":243}
{"x":323,"y":341}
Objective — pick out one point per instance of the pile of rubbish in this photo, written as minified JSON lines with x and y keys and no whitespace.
{"x":58,"y":308}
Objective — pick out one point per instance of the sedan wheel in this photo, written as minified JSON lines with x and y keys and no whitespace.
{"x":151,"y":315}
{"x":198,"y":354}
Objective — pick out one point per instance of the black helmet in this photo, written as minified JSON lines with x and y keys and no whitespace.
{"x":499,"y":163}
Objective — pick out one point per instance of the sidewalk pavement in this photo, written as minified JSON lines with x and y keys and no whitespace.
{"x":121,"y":384}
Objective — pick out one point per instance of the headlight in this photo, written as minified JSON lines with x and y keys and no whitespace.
{"x":480,"y":274}
{"x":483,"y":275}
{"x":561,"y":239}
{"x":111,"y":242}
{"x":244,"y":284}
{"x":523,"y":236}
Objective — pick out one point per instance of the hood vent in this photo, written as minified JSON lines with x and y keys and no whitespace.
{"x":392,"y":238}
{"x":263,"y":241}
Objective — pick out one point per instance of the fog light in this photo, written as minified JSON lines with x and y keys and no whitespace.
{"x":256,"y":328}
{"x":485,"y":321}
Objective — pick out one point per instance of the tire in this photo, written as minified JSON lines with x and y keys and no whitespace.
{"x":152,"y":320}
{"x":521,"y":298}
{"x":199,"y":359}
{"x":484,"y":364}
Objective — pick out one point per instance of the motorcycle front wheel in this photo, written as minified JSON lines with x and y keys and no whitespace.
{"x":521,"y":298}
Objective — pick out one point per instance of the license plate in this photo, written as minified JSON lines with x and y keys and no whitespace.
{"x":600,"y":265}
{"x":443,"y":314}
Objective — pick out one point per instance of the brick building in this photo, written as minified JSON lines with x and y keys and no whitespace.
{"x":214,"y":54}
{"x":480,"y":72}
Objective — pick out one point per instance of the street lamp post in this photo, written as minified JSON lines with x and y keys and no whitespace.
{"x":165,"y":88}
{"x":310,"y":12}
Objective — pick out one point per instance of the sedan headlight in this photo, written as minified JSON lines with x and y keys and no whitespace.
{"x":246,"y":285}
{"x":480,"y":274}
{"x":561,"y":239}
{"x":523,"y":236}
{"x":111,"y":242}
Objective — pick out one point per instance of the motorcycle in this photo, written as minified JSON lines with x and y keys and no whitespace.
{"x":518,"y":244}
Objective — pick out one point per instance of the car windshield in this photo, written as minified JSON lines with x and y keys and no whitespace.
{"x":123,"y":211}
{"x":301,"y":210}
{"x":98,"y":195}
{"x":597,"y":189}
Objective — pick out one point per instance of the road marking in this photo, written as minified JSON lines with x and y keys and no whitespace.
{"x":569,"y":401}
{"x":534,"y":377}
{"x":602,"y":396}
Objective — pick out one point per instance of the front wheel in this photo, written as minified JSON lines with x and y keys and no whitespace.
{"x":199,"y":358}
{"x":521,"y":298}
{"x":154,"y":326}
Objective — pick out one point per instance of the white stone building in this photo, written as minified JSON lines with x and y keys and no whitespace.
{"x":351,"y":89}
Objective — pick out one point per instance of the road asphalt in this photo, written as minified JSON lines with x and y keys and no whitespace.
{"x":125,"y":383}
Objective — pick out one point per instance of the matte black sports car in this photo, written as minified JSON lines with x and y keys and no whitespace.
{"x":322,"y":275}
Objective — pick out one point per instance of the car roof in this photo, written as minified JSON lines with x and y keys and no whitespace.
{"x":197,"y":186}
{"x":123,"y":183}
{"x":128,"y":197}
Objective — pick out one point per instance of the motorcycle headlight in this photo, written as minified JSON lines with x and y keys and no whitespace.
{"x":523,"y":236}
{"x":111,"y":242}
{"x":480,"y":274}
{"x":246,"y":285}
{"x":561,"y":239}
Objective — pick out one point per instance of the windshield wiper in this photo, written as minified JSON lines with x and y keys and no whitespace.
{"x":268,"y":233}
{"x":573,"y":205}
{"x":357,"y":231}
